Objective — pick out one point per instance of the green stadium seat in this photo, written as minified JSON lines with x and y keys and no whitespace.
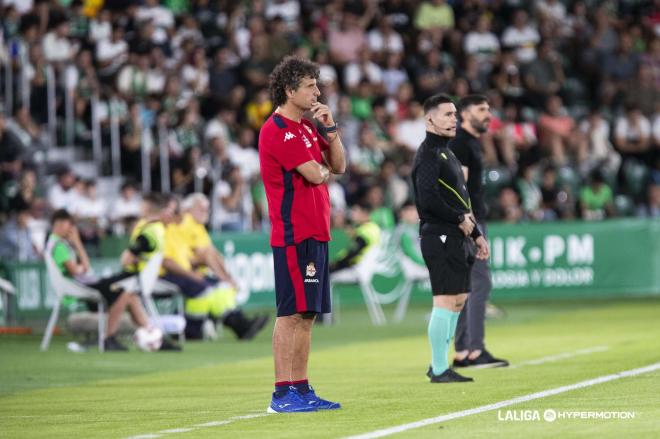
{"x":494,"y":179}
{"x":624,"y":205}
{"x":635,"y":175}
{"x":610,"y":177}
{"x":568,"y":177}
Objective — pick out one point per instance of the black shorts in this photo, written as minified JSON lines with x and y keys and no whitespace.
{"x":302,"y":281}
{"x":104,"y":286}
{"x":449,"y":259}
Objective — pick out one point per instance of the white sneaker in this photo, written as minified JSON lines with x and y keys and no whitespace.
{"x":208,"y":330}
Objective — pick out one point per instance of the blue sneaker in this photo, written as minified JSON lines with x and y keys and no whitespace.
{"x":290,"y":403}
{"x":314,"y":401}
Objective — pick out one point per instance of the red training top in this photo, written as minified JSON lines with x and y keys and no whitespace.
{"x":298,"y":209}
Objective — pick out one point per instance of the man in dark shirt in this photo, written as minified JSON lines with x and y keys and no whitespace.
{"x":448,"y":231}
{"x":469,"y":342}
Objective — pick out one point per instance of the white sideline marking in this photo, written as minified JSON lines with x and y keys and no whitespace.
{"x":212,"y":424}
{"x":486,"y":408}
{"x":563,"y":356}
{"x":197,"y":426}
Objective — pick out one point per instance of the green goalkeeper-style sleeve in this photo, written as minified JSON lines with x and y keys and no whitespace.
{"x":62,"y":255}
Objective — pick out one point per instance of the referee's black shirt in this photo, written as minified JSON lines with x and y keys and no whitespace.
{"x":467,"y":149}
{"x":441,"y":195}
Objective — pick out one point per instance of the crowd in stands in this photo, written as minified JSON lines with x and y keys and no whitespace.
{"x":574,"y":87}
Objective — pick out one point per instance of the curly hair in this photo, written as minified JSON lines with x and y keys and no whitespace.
{"x":287,"y":76}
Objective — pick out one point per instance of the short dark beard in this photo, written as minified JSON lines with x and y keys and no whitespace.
{"x":480,"y":127}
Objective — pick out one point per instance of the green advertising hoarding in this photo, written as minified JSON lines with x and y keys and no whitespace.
{"x":612,"y":258}
{"x":576,"y":259}
{"x":528,"y":261}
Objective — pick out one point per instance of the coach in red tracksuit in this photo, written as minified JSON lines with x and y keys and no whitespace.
{"x":296,"y":162}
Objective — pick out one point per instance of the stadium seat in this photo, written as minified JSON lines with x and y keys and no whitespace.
{"x":576,"y":93}
{"x":151,"y":287}
{"x":635,"y":176}
{"x":64,"y":286}
{"x":568,"y":177}
{"x":610,"y":177}
{"x":624,"y":205}
{"x":6,"y":289}
{"x":380,"y":260}
{"x":413,"y":273}
{"x":494,"y":179}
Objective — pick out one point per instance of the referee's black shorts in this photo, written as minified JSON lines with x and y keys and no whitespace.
{"x":449,"y":259}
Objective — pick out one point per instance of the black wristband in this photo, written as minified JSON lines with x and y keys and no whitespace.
{"x":332,"y":129}
{"x":476,"y":232}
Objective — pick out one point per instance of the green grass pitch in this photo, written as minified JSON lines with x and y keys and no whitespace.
{"x":212,"y":389}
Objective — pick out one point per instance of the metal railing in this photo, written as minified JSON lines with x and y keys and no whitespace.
{"x":164,"y":155}
{"x":16,"y":86}
{"x":115,"y":141}
{"x":146,"y":161}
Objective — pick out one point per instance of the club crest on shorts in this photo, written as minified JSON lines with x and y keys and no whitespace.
{"x":311,"y":270}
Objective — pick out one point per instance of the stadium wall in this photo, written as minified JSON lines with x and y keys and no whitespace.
{"x":615,"y":258}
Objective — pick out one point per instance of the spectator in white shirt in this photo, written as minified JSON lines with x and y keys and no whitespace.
{"x":188,"y":30}
{"x":338,"y":203}
{"x":410,"y":132}
{"x":384,"y":38}
{"x":132,"y":81}
{"x":61,"y":195}
{"x":157,"y":78}
{"x":364,"y":68}
{"x":522,"y":37}
{"x":551,"y":10}
{"x":161,"y":17}
{"x":289,"y":10}
{"x":600,"y":150}
{"x":195,"y":72}
{"x":22,"y":6}
{"x":220,"y":125}
{"x":394,"y":74}
{"x":327,"y":72}
{"x":100,"y":28}
{"x":89,"y":205}
{"x":244,"y":155}
{"x":632,"y":134}
{"x":126,"y":208}
{"x":112,"y":53}
{"x":232,"y":205}
{"x":91,"y":212}
{"x":483,"y":44}
{"x":57,"y":47}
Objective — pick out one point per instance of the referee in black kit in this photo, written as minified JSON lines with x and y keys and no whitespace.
{"x":448,"y":231}
{"x":470,"y":350}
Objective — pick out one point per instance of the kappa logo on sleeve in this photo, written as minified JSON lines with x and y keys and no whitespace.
{"x":288,"y":136}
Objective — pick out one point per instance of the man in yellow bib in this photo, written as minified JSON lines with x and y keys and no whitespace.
{"x":189,"y":256}
{"x":366,"y":234}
